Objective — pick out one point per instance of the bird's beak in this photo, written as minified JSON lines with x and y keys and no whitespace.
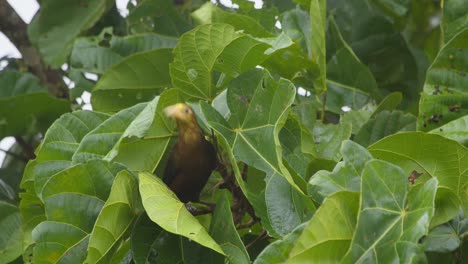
{"x":173,"y":111}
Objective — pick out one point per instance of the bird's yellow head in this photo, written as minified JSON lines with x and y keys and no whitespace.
{"x":182,"y":113}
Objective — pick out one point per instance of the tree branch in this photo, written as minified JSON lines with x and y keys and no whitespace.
{"x":15,"y":29}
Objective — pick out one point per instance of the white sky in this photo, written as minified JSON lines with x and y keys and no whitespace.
{"x":26,"y":10}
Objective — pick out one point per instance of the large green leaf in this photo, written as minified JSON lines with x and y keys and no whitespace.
{"x":445,"y":95}
{"x":345,"y":68}
{"x":391,"y":219}
{"x":52,"y":156}
{"x":439,"y":157}
{"x":73,"y":199}
{"x":52,"y":36}
{"x":328,"y":234}
{"x":116,"y":217}
{"x":209,"y":13}
{"x":298,"y":146}
{"x":455,"y":130}
{"x":318,"y":13}
{"x":11,"y":237}
{"x":26,"y":105}
{"x":98,"y":53}
{"x":222,"y":230}
{"x":160,"y":16}
{"x":258,"y":106}
{"x":138,"y":78}
{"x":384,"y":124}
{"x":278,"y":251}
{"x":217,"y":48}
{"x":137,"y":136}
{"x":346,"y":176}
{"x":328,"y":138}
{"x":455,"y":18}
{"x":167,"y":211}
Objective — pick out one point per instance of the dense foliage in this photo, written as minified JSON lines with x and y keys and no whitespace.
{"x":341,"y":130}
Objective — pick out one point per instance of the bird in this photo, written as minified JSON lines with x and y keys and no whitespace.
{"x":192,"y":159}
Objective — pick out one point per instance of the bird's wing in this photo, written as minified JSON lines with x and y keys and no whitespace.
{"x":171,"y":169}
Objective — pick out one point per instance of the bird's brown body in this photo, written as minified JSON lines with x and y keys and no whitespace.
{"x":192,"y":159}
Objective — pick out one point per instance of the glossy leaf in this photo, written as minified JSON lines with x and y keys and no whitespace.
{"x":138,"y":78}
{"x":391,"y":219}
{"x":33,"y":107}
{"x":328,"y":234}
{"x":116,"y":217}
{"x":165,"y":209}
{"x":55,"y":38}
{"x":437,"y":156}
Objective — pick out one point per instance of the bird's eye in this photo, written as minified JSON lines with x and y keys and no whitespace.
{"x":187,"y":111}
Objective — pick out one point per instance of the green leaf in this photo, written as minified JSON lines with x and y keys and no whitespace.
{"x":437,"y":156}
{"x":391,"y":220}
{"x":116,"y":217}
{"x":167,"y":211}
{"x":258,"y":106}
{"x":442,"y":238}
{"x":297,"y":144}
{"x":278,"y":251}
{"x":328,"y":234}
{"x":143,"y":239}
{"x":138,"y":78}
{"x":389,"y":103}
{"x":296,"y":24}
{"x":11,"y":237}
{"x":222,"y":230}
{"x":455,"y":17}
{"x":346,"y":176}
{"x":444,"y":97}
{"x":33,"y":107}
{"x":137,"y":136}
{"x":345,"y":68}
{"x":160,"y":16}
{"x":318,"y":13}
{"x":54,"y":37}
{"x":73,"y":199}
{"x":384,"y":124}
{"x":328,"y":139}
{"x":195,"y":56}
{"x":98,"y":53}
{"x":454,"y":130}
{"x":246,"y":23}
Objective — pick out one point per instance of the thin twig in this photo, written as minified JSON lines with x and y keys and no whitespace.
{"x":262,"y":236}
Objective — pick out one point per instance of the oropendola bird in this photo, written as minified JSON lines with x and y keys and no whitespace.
{"x":192,"y":159}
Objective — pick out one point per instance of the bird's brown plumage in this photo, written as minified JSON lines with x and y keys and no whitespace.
{"x":192,"y":159}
